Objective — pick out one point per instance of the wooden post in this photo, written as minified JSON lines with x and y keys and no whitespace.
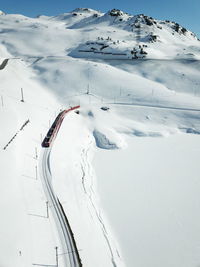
{"x":36,"y":155}
{"x":36,"y":174}
{"x":47,"y":205}
{"x":2,"y":101}
{"x":56,"y":248}
{"x":88,"y":89}
{"x":22,"y":95}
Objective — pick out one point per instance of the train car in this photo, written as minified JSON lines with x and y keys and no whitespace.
{"x":51,"y":134}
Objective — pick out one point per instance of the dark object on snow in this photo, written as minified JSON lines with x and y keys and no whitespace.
{"x":105,"y":108}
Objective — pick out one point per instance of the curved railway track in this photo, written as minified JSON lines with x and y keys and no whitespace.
{"x":67,"y":241}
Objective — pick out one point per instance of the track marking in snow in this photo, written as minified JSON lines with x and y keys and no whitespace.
{"x":26,"y":122}
{"x":87,"y":179}
{"x":155,"y":106}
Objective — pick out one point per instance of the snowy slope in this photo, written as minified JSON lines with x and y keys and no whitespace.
{"x":145,"y":74}
{"x":25,"y":239}
{"x":140,"y":37}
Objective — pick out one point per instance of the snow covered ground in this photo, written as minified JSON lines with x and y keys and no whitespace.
{"x":125,"y":169}
{"x":150,"y":192}
{"x":25,"y":238}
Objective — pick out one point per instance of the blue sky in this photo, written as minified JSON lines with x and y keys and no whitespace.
{"x":185,"y":12}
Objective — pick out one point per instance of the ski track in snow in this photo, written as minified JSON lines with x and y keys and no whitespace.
{"x":88,"y":187}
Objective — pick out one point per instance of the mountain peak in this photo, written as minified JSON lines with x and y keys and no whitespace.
{"x":83,"y":10}
{"x":116,"y":12}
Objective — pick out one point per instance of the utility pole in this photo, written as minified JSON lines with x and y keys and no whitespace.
{"x":88,"y":86}
{"x":22,"y":95}
{"x":36,"y":174}
{"x":88,"y":89}
{"x":36,"y":155}
{"x":2,"y":101}
{"x":56,"y":248}
{"x":47,"y":205}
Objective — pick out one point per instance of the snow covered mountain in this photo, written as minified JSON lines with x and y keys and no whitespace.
{"x":125,"y":167}
{"x":144,"y":37}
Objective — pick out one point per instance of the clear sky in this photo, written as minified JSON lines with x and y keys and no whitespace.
{"x":185,"y":12}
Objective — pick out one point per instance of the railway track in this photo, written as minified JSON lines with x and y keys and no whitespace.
{"x":69,"y":249}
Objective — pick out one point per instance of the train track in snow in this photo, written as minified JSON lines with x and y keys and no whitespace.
{"x":67,"y":241}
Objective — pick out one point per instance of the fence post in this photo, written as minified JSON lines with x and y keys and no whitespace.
{"x":36,"y":155}
{"x":56,"y":248}
{"x":2,"y":101}
{"x":36,"y":173}
{"x":47,"y":204}
{"x":22,"y":95}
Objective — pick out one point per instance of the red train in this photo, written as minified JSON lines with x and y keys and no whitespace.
{"x":51,"y":135}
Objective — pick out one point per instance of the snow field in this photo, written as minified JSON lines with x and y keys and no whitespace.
{"x":25,"y":238}
{"x":74,"y":183}
{"x":157,"y":180}
{"x":126,"y":177}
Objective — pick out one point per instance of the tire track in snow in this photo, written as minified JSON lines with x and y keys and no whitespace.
{"x":87,"y":173}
